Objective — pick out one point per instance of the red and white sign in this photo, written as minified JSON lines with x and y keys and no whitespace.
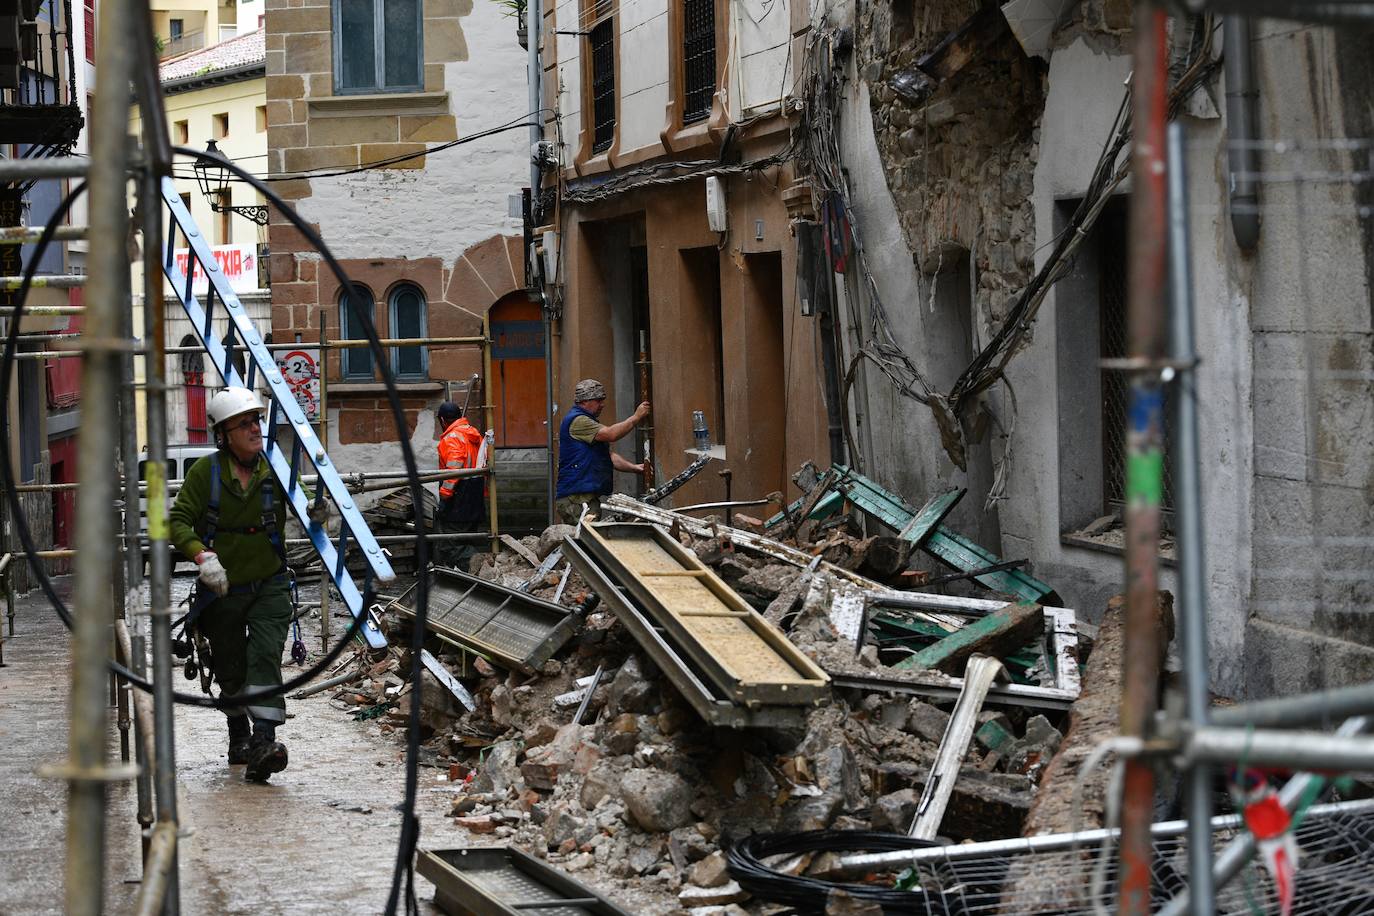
{"x":300,"y":369}
{"x":239,"y":263}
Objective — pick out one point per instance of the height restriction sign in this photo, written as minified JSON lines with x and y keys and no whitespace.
{"x":300,"y":369}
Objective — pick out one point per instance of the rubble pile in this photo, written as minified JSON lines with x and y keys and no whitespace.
{"x":640,"y":794}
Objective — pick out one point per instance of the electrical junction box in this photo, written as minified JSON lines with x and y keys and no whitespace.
{"x":550,"y":255}
{"x":715,"y":204}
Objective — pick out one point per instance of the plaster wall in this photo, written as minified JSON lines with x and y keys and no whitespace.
{"x":762,"y":61}
{"x":459,"y":196}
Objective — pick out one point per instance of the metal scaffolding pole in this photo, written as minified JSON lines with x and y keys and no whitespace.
{"x":107,"y":262}
{"x":1188,"y":510}
{"x":1147,"y":329}
{"x":162,"y":870}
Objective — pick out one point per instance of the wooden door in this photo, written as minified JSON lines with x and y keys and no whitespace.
{"x":519,"y":388}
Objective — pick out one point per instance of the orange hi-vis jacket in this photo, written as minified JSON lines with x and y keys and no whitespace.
{"x":459,"y":447}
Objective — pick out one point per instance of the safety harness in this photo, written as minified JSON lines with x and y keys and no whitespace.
{"x":202,"y":597}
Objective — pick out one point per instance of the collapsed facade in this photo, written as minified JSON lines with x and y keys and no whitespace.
{"x":933,"y":157}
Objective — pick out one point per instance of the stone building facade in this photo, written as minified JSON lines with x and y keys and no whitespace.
{"x":370,"y":136}
{"x":960,"y":197}
{"x":665,"y":90}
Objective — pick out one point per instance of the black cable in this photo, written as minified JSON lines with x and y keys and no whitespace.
{"x":389,"y":161}
{"x":26,"y":535}
{"x":410,"y":823}
{"x":808,"y":895}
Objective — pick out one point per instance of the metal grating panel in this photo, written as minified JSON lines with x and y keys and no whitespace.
{"x":497,"y":881}
{"x":516,"y":629}
{"x":602,"y":40}
{"x":698,"y":58}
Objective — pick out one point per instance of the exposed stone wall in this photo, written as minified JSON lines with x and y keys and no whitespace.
{"x":959,"y":167}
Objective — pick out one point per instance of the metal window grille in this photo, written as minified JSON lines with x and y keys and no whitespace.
{"x":603,"y":84}
{"x":698,"y":58}
{"x":1116,"y":385}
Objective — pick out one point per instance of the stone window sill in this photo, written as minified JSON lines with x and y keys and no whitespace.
{"x":379,"y":104}
{"x":1110,"y":542}
{"x":373,"y":389}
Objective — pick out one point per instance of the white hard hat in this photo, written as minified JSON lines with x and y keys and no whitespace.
{"x":230,"y":402}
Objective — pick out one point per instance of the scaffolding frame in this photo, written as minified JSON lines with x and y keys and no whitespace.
{"x":107,"y":347}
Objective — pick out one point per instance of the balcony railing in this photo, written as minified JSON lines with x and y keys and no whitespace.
{"x":182,"y":44}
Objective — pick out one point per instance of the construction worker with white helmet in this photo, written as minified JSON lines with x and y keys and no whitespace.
{"x":229,"y":517}
{"x":585,"y":459}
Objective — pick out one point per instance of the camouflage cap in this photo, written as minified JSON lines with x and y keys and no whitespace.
{"x":589,"y":389}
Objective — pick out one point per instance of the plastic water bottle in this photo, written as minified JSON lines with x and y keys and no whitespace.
{"x":699,"y":430}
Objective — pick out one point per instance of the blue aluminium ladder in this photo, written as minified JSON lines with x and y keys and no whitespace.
{"x":243,"y":336}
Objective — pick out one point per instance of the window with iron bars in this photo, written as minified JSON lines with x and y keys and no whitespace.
{"x":1113,"y":343}
{"x":602,"y":41}
{"x":698,"y":58}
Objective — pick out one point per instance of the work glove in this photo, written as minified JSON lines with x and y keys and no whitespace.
{"x":212,"y":573}
{"x":318,"y":513}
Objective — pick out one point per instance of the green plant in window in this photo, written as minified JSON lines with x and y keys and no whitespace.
{"x":513,"y":8}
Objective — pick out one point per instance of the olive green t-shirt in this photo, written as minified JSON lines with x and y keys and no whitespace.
{"x":584,"y":429}
{"x":245,"y":557}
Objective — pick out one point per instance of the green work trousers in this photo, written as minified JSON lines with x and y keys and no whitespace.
{"x":247,"y":633}
{"x":454,"y":554}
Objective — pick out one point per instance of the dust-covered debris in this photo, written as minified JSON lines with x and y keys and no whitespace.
{"x":642,"y":799}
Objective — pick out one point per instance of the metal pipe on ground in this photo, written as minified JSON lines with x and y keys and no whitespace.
{"x":1192,"y":611}
{"x":1147,"y":337}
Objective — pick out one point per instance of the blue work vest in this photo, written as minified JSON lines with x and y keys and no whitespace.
{"x":582,"y":467}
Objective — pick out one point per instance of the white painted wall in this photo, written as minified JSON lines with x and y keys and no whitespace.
{"x":644,"y":33}
{"x":460,"y":196}
{"x":761,"y":67}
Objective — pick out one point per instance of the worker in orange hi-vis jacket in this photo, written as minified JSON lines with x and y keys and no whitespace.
{"x":462,"y":507}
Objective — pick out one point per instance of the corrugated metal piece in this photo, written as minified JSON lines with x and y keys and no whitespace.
{"x":740,"y":651}
{"x":507,"y":626}
{"x":501,"y":881}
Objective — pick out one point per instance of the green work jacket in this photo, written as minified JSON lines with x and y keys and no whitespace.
{"x":245,"y":557}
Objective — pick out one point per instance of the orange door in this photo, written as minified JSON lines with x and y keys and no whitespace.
{"x":518,"y":389}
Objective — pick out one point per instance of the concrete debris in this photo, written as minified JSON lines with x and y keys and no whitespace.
{"x":646,"y":794}
{"x":730,"y":892}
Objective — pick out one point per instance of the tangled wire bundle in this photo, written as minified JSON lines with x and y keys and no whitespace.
{"x":809,"y":895}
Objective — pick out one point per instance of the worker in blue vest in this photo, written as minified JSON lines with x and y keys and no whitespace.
{"x":585,"y":459}
{"x":229,"y":516}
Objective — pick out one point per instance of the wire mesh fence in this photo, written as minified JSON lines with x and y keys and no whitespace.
{"x":1335,"y":874}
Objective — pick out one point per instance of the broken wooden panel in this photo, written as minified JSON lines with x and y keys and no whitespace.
{"x":964,"y":555}
{"x":737,"y":648}
{"x":503,"y":881}
{"x":1000,"y":633}
{"x":709,"y":701}
{"x":509,"y":627}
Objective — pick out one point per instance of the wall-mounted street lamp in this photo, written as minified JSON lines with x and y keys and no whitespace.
{"x":213,"y":178}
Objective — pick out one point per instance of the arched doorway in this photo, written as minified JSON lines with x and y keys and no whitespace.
{"x":518,"y":383}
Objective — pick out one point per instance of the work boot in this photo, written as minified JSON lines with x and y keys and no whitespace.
{"x":240,"y":737}
{"x":266,"y":755}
